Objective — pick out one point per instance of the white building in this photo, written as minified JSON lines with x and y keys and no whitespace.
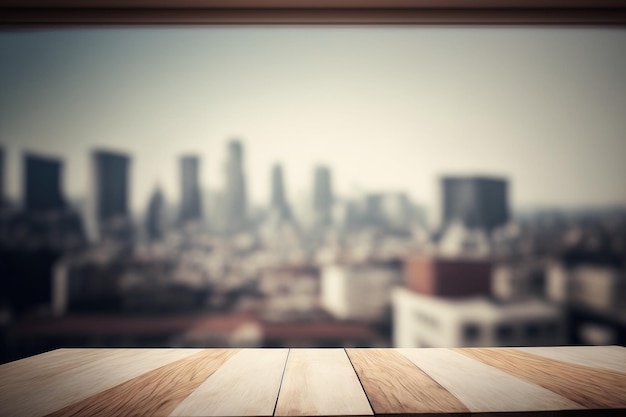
{"x":359,"y":292}
{"x":511,"y":282}
{"x":598,"y":288}
{"x":426,"y":321}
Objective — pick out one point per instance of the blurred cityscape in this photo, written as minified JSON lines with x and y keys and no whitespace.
{"x":367,"y":270}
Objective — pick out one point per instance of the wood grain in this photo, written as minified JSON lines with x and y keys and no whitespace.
{"x":483,"y":388}
{"x":605,"y":357}
{"x":590,"y":387}
{"x":394,"y":385}
{"x":261,"y":382}
{"x":320,"y":382}
{"x":36,"y":392}
{"x":155,"y":393}
{"x":246,"y":385}
{"x":49,"y":364}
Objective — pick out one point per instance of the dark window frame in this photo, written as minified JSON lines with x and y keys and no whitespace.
{"x":28,"y":13}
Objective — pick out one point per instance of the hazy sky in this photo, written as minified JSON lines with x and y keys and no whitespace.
{"x":387,"y":108}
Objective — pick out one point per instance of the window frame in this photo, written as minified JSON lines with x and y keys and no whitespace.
{"x":28,"y":13}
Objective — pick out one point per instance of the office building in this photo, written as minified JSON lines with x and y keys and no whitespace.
{"x":87,"y":280}
{"x":155,"y":216}
{"x":387,"y":210}
{"x":111,"y":185}
{"x":594,"y":296}
{"x":423,"y":321}
{"x":359,"y":292}
{"x":597,"y":288}
{"x":2,"y":175}
{"x":279,"y":206}
{"x":235,"y":204}
{"x":323,"y":199}
{"x":518,"y":280}
{"x":477,"y":202}
{"x":191,"y":205}
{"x":110,"y":214}
{"x":42,"y":183}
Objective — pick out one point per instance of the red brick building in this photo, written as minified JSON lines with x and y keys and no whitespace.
{"x":448,"y":277}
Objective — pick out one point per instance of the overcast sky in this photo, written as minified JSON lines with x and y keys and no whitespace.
{"x":388,"y":108}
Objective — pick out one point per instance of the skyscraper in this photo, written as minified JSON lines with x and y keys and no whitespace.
{"x":235,"y":194}
{"x":477,"y":202}
{"x":2,"y":165}
{"x":155,"y":215}
{"x":111,"y":186}
{"x":111,"y":192}
{"x":190,"y":206}
{"x":278,"y":204}
{"x":42,"y":183}
{"x":323,"y":196}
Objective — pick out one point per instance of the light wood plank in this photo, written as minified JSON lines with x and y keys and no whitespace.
{"x":606,"y":357}
{"x":320,"y":382}
{"x":33,"y":395}
{"x":154,"y":393}
{"x":49,"y":364}
{"x":394,"y":385}
{"x":246,"y":385}
{"x":483,"y":388}
{"x":593,"y":388}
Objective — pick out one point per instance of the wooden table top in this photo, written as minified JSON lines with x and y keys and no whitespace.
{"x":314,"y":382}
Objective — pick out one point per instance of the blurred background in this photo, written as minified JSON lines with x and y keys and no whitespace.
{"x":325,"y":186}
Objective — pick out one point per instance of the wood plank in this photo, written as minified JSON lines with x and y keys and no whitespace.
{"x":320,"y":382}
{"x":593,"y":388}
{"x":246,"y":385}
{"x":33,"y":395}
{"x":483,"y":388}
{"x":394,"y":385}
{"x":154,"y":393}
{"x":49,"y":364}
{"x":606,"y":357}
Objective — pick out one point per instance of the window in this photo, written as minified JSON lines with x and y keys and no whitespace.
{"x":504,"y":333}
{"x":471,"y":332}
{"x":531,"y":330}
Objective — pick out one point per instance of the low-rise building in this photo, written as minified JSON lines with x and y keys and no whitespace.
{"x":448,"y":277}
{"x":517,"y":281}
{"x":359,"y":292}
{"x":424,"y":321}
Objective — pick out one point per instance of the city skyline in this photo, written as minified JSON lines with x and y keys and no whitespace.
{"x":381,"y":118}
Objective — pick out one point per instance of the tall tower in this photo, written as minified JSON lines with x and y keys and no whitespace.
{"x":2,"y":168}
{"x":323,"y":196}
{"x":155,"y":215}
{"x":278,"y":204}
{"x":236,"y":206}
{"x":478,"y":202}
{"x":190,"y":206}
{"x":42,"y":183}
{"x":111,"y":190}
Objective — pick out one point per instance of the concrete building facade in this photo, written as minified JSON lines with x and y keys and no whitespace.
{"x":424,"y":321}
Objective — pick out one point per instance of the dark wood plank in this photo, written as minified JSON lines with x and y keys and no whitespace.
{"x":394,"y":385}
